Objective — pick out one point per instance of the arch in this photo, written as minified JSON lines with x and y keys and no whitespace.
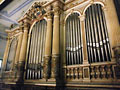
{"x":97,"y":2}
{"x":35,"y":49}
{"x":73,"y":40}
{"x":44,"y":18}
{"x":75,"y":11}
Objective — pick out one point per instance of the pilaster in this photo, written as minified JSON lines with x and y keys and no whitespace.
{"x":22,"y":56}
{"x":56,"y":41}
{"x":19,"y":44}
{"x":85,"y":56}
{"x":86,"y":70}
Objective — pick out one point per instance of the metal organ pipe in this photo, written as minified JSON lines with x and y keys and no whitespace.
{"x":106,"y":40}
{"x":36,"y":51}
{"x":73,"y":40}
{"x":97,"y":37}
{"x":95,"y":33}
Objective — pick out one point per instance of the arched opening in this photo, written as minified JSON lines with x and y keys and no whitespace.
{"x":98,"y":45}
{"x":36,"y":51}
{"x":73,"y":40}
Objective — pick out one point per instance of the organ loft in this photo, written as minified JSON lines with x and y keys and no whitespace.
{"x":64,"y":45}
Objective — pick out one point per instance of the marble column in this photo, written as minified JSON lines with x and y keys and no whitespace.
{"x":23,"y":49}
{"x":55,"y":43}
{"x":48,"y":45}
{"x":112,"y":24}
{"x":6,"y":54}
{"x":84,"y":44}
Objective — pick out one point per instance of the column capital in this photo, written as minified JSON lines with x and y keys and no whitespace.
{"x":49,"y":16}
{"x":82,"y":17}
{"x":56,"y":11}
{"x":104,"y":8}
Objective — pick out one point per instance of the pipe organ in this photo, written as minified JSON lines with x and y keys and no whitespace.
{"x":70,"y":43}
{"x":36,"y":51}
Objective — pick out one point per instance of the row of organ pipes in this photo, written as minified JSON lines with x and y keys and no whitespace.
{"x":73,"y":40}
{"x":96,"y":33}
{"x":36,"y":51}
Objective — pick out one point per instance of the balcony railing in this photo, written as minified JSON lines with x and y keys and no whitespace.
{"x":98,"y":71}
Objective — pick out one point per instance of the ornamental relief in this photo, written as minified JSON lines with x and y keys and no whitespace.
{"x":37,"y":10}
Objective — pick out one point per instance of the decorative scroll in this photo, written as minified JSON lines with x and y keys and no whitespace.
{"x":36,"y":51}
{"x":11,"y":54}
{"x":73,"y":40}
{"x":98,"y":46}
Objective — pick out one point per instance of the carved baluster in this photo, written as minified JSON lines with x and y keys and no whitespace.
{"x":97,"y":72}
{"x":74,"y":69}
{"x":109,"y":72}
{"x":72,"y":73}
{"x":67,"y":73}
{"x":92,"y":72}
{"x":103,"y":72}
{"x":80,"y":73}
{"x":76,"y":73}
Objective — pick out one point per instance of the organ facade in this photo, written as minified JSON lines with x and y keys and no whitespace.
{"x":71,"y":44}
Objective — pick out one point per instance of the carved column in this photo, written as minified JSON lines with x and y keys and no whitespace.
{"x":18,"y":46}
{"x":112,"y":24}
{"x":6,"y":54}
{"x":48,"y":45}
{"x":23,"y":50}
{"x":55,"y":44}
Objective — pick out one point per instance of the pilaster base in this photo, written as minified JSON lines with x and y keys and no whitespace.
{"x":55,"y":66}
{"x":20,"y":72}
{"x":47,"y":67}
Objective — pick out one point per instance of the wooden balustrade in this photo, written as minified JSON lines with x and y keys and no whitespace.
{"x":98,"y":72}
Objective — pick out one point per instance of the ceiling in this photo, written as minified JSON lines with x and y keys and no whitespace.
{"x":12,"y":10}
